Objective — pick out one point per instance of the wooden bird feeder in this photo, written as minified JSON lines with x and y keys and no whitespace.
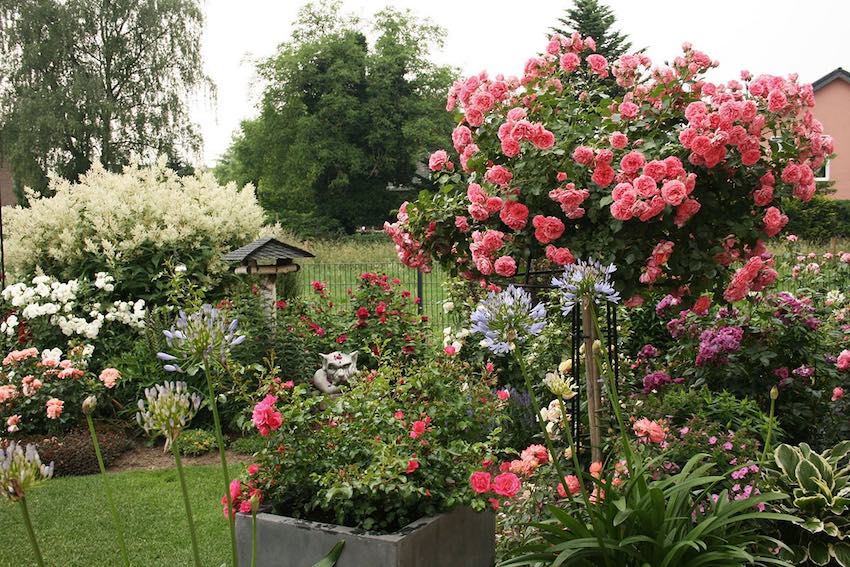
{"x":267,"y":257}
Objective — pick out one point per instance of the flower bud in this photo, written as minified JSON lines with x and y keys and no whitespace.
{"x":597,"y":346}
{"x":89,"y":405}
{"x":774,"y":393}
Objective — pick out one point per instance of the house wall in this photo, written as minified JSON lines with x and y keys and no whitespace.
{"x":832,"y":108}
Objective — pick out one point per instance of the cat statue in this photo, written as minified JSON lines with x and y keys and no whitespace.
{"x":337,"y":368}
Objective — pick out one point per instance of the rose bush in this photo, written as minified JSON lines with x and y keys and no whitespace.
{"x":674,"y":181}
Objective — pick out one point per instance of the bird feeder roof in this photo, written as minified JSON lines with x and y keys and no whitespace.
{"x":266,"y":249}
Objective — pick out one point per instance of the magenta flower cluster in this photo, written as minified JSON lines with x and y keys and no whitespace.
{"x":654,"y":381}
{"x":716,"y":344}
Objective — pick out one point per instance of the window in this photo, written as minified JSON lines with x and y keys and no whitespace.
{"x":822,"y":173}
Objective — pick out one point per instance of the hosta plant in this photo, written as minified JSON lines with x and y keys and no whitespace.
{"x":819,"y":486}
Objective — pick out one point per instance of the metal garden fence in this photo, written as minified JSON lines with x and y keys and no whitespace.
{"x":339,"y":277}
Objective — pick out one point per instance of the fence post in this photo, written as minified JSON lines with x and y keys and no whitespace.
{"x":419,"y":290}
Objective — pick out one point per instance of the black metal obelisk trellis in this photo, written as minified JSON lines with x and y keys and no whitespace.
{"x":582,"y":332}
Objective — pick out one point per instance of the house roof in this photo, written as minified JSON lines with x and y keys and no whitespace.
{"x":266,"y":248}
{"x":829,"y":77}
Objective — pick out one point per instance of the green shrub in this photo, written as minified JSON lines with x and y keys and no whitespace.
{"x":196,"y":442}
{"x":248,"y":445}
{"x":821,"y":219}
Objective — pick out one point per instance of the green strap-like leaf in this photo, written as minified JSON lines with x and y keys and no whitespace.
{"x":332,"y":557}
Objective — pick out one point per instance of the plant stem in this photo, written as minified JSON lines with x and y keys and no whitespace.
{"x":220,"y":439}
{"x":176,"y":452}
{"x":548,"y":440}
{"x":769,"y":429}
{"x":253,"y":537}
{"x":116,"y":519}
{"x":30,"y":532}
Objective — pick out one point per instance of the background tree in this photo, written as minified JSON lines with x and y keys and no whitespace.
{"x":87,"y":80}
{"x":341,"y":118}
{"x":594,"y":19}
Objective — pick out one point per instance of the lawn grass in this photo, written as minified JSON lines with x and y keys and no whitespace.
{"x":73,"y":527}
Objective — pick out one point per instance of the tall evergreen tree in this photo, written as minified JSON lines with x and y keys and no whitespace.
{"x":85,"y":81}
{"x":594,"y":19}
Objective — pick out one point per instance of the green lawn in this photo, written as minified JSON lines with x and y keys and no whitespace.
{"x":73,"y":527}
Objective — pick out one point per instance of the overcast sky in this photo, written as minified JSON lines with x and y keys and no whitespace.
{"x":809,"y":37}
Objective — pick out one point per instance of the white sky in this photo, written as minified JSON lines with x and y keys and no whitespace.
{"x":810,"y":37}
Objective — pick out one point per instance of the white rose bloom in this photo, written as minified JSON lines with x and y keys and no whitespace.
{"x":448,"y":306}
{"x":53,"y":354}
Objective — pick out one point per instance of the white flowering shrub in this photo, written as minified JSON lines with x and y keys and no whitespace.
{"x":131,"y":224}
{"x":49,"y":311}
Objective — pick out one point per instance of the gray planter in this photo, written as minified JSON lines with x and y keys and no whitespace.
{"x":460,"y":538}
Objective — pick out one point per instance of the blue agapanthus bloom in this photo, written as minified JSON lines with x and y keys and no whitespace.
{"x":199,"y":336}
{"x":586,"y":279}
{"x":507,"y":318}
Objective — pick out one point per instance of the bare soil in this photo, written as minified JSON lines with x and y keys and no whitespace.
{"x":154,"y":458}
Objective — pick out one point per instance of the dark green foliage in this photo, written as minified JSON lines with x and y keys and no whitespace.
{"x":595,"y":19}
{"x":248,"y":445}
{"x":819,"y":220}
{"x":88,"y":81}
{"x":341,"y":119}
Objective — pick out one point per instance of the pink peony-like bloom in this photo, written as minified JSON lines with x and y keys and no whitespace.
{"x":648,"y":430}
{"x":843,"y":361}
{"x":583,"y":155}
{"x":503,"y":395}
{"x":560,"y":256}
{"x":628,"y":109}
{"x":514,"y":214}
{"x":837,"y":393}
{"x":54,"y":408}
{"x":632,"y":162}
{"x":498,"y":175}
{"x":569,"y":62}
{"x":412,"y":465}
{"x":774,"y":221}
{"x":7,"y":392}
{"x":595,"y":469}
{"x":438,"y":160}
{"x":537,"y":453}
{"x":480,"y":482}
{"x":265,"y":416}
{"x":618,"y":140}
{"x":598,"y":64}
{"x":450,"y":350}
{"x":547,"y":229}
{"x":12,"y":423}
{"x":674,"y":193}
{"x":572,"y":485}
{"x":109,"y":377}
{"x":506,"y":484}
{"x":418,"y":429}
{"x":505,"y":266}
{"x":253,"y":469}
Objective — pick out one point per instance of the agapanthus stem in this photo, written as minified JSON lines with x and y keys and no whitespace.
{"x":769,"y":429}
{"x":547,"y":439}
{"x":195,"y":553}
{"x":30,"y":532}
{"x":594,"y":393}
{"x":116,"y":519}
{"x":220,"y":439}
{"x":253,"y":537}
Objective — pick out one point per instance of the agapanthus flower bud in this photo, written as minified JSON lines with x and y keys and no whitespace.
{"x":170,"y":407}
{"x":89,"y":405}
{"x":20,"y":470}
{"x":774,"y":393}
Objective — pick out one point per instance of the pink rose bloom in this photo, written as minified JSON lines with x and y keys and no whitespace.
{"x":505,"y":266}
{"x":510,"y":147}
{"x":632,"y":162}
{"x":598,"y":64}
{"x":837,"y":393}
{"x":618,"y":140}
{"x":265,"y":416}
{"x":478,"y":212}
{"x":655,"y":169}
{"x":774,"y":221}
{"x":547,"y":229}
{"x":476,"y":194}
{"x":523,"y":467}
{"x":461,"y":137}
{"x":493,"y":204}
{"x":646,"y":186}
{"x":503,"y":395}
{"x":572,"y":486}
{"x":418,"y":429}
{"x":450,"y":350}
{"x":506,"y":484}
{"x":12,"y":423}
{"x":517,"y":114}
{"x":674,"y":192}
{"x":569,"y":62}
{"x":54,"y":408}
{"x":438,"y":160}
{"x":776,"y":100}
{"x":498,"y":175}
{"x":480,"y":482}
{"x":253,"y":469}
{"x":583,"y":155}
{"x":514,"y":215}
{"x":560,"y":256}
{"x":462,"y":223}
{"x":628,"y":109}
{"x":7,"y":392}
{"x":109,"y":376}
{"x":843,"y":362}
{"x":537,"y":453}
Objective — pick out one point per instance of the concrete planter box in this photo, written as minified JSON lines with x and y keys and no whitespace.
{"x":460,"y":538}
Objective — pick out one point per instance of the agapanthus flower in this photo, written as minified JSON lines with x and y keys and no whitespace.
{"x":586,"y":279}
{"x":170,"y":407}
{"x":560,"y":385}
{"x":199,"y":337}
{"x":507,"y":319}
{"x":21,"y":469}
